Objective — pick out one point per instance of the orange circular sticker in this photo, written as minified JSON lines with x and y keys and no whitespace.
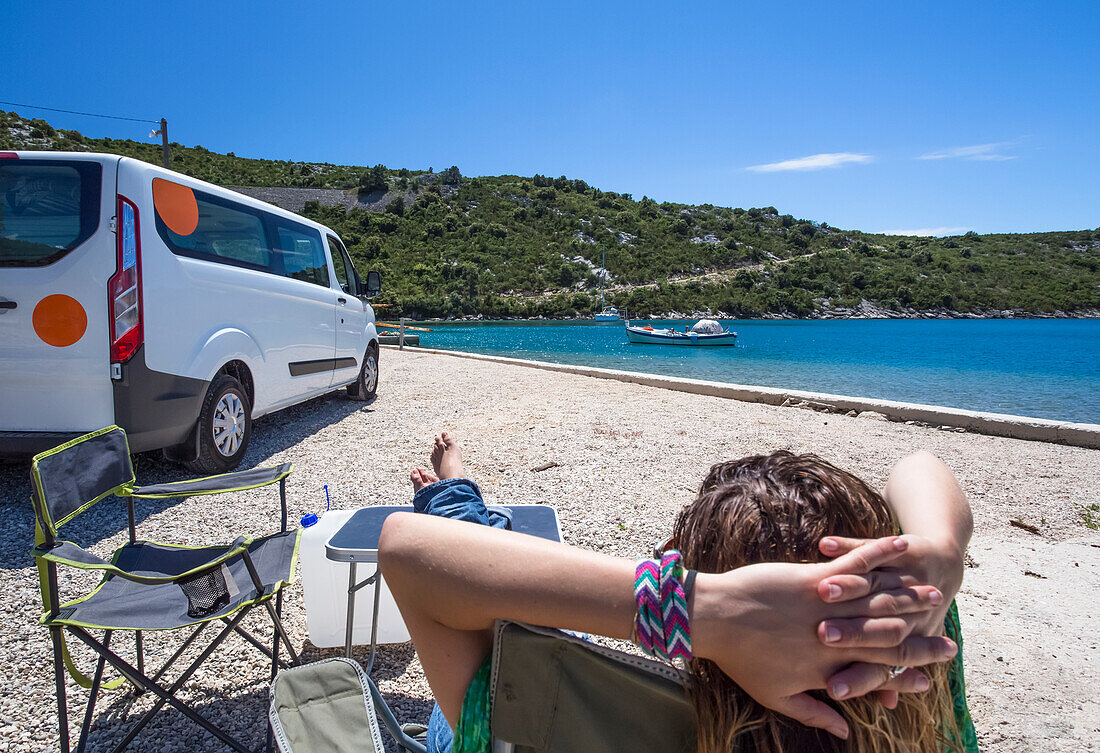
{"x":59,"y":320}
{"x":176,"y":206}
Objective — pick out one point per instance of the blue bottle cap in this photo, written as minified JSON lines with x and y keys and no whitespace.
{"x":309,"y":519}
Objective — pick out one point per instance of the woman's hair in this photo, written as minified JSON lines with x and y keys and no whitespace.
{"x":777,"y":508}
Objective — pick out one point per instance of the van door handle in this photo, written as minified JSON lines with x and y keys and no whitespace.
{"x":342,"y":301}
{"x":7,"y":305}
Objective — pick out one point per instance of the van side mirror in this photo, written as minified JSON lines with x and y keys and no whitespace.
{"x":374,"y":283}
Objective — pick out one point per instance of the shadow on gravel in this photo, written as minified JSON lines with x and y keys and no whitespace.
{"x":272,"y":434}
{"x":279,"y":431}
{"x":241,"y":714}
{"x":390,"y":661}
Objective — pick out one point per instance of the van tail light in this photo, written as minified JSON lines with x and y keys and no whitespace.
{"x":124,"y":287}
{"x":8,"y":155}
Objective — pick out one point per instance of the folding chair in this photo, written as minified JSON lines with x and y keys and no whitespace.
{"x":332,"y":706}
{"x":551,"y":692}
{"x":146,"y":585}
{"x":325,"y":706}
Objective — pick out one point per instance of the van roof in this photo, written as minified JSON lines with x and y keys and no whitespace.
{"x":157,"y":170}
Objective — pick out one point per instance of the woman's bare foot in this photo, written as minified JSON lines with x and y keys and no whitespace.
{"x":447,"y":456}
{"x":421,"y":478}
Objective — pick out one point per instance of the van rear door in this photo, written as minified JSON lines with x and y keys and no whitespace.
{"x":57,"y":251}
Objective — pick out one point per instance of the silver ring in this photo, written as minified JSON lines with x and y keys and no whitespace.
{"x":896,"y":671}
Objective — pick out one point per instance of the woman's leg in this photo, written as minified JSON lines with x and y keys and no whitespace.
{"x":448,"y":494}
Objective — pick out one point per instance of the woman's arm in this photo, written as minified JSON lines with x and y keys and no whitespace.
{"x":452,"y":580}
{"x":934,"y":516}
{"x":928,"y":501}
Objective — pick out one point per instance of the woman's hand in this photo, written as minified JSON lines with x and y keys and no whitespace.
{"x":938,"y":563}
{"x":935,"y":563}
{"x":756,"y":623}
{"x":931,"y":508}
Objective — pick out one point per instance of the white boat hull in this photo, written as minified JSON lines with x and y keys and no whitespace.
{"x":663,"y":337}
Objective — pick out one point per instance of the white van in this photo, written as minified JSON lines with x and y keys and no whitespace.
{"x":133,"y":295}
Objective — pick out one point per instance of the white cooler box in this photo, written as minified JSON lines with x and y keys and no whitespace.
{"x":325,"y":586}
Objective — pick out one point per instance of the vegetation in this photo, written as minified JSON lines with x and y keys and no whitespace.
{"x":514,"y":246}
{"x":1090,"y":516}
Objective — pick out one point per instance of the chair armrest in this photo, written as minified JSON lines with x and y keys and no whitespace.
{"x":68,"y":553}
{"x":226,"y":482}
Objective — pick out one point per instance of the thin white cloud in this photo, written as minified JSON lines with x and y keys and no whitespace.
{"x":813,"y":162}
{"x":976,"y":152}
{"x":934,"y":232}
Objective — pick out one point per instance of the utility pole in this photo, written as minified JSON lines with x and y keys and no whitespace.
{"x":164,"y":140}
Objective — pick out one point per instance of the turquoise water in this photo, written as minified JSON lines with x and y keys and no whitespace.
{"x":1047,"y":368}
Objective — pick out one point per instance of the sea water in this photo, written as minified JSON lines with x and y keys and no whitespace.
{"x":1045,"y":368}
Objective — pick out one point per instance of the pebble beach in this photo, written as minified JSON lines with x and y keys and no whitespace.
{"x":623,"y":459}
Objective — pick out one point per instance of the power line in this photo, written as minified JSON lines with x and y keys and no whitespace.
{"x":77,"y":112}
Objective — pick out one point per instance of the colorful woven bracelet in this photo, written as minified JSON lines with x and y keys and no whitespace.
{"x":649,"y":631}
{"x":674,"y":611}
{"x":661,"y":626}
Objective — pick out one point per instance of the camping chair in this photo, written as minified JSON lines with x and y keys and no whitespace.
{"x":550,"y":692}
{"x":332,"y":706}
{"x":150,"y":586}
{"x":325,"y":706}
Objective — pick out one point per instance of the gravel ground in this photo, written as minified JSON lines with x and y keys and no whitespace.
{"x":1028,"y":605}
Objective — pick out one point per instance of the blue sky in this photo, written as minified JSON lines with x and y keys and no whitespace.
{"x":876,"y":116}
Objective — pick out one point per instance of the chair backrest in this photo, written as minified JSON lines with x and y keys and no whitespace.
{"x":324,"y":707}
{"x":554,"y":693}
{"x":74,"y":476}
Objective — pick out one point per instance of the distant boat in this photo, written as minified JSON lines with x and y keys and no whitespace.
{"x":606,"y":313}
{"x":704,"y":332}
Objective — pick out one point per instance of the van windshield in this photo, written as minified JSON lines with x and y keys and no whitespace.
{"x":47,"y":208}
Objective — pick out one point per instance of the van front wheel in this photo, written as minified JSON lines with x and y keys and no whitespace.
{"x":225,"y":426}
{"x":366,"y":386}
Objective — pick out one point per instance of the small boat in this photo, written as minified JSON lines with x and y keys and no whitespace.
{"x":608,"y":314}
{"x":705,"y":332}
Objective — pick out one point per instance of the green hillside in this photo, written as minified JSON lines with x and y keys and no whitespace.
{"x":517,"y":246}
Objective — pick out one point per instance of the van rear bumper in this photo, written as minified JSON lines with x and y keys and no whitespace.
{"x":156,"y":409}
{"x":22,"y":445}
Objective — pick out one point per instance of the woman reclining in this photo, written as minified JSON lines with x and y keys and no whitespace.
{"x":801,"y":587}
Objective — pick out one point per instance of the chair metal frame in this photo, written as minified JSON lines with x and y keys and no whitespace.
{"x":136,"y":676}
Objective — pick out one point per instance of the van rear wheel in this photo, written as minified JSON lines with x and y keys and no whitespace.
{"x":366,"y":386}
{"x":225,"y":426}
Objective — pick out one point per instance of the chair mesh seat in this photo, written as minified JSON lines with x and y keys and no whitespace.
{"x":121,"y":604}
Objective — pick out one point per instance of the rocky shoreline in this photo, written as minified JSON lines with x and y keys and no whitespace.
{"x":867,"y":310}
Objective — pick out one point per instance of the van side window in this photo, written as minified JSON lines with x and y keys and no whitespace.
{"x":301,"y":252}
{"x":238,"y":235}
{"x":357,"y":287}
{"x":226,"y":233}
{"x":345,"y":274}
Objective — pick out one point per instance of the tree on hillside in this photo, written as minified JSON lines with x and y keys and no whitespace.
{"x":373,"y":179}
{"x":451,"y":176}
